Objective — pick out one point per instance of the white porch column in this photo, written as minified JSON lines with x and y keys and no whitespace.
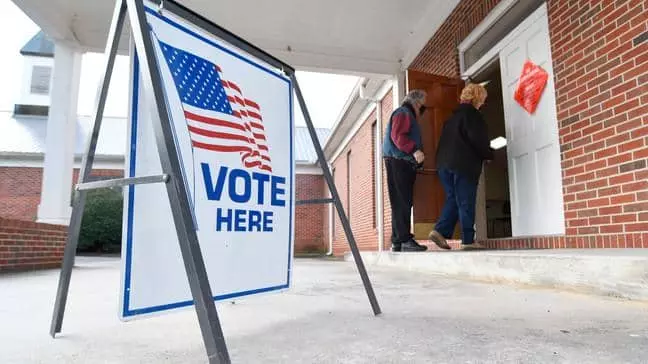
{"x":399,"y":90}
{"x":56,"y":191}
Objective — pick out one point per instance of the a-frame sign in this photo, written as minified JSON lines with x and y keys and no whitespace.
{"x":211,"y":115}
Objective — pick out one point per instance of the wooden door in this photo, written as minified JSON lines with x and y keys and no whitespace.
{"x":442,"y":98}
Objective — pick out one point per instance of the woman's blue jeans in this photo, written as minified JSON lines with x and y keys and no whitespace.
{"x":461,"y":196}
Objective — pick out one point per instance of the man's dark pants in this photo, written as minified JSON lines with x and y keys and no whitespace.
{"x":461,"y":195}
{"x":401,"y":175}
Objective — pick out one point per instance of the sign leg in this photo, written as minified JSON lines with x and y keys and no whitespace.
{"x":78,"y":203}
{"x":336,"y":201}
{"x":176,"y":189}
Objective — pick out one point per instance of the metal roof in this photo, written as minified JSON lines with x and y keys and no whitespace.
{"x":40,"y":45}
{"x":304,"y":149}
{"x":27,"y":135}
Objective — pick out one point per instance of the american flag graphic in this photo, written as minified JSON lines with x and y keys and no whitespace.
{"x":219,"y":117}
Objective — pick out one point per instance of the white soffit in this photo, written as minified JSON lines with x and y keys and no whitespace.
{"x":365,"y":37}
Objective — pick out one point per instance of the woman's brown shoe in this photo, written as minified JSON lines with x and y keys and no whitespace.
{"x":438,"y":239}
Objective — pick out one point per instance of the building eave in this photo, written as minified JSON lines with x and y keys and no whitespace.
{"x":352,"y":110}
{"x":40,"y":156}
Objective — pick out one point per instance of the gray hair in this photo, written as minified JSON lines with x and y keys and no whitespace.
{"x":415,"y":96}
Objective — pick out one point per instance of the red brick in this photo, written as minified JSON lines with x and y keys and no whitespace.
{"x":624,"y":178}
{"x":600,"y":220}
{"x":624,"y":218}
{"x":622,"y":199}
{"x":642,"y":196}
{"x":609,"y":191}
{"x":617,"y":139}
{"x":632,"y":145}
{"x":638,"y":133}
{"x":641,"y":175}
{"x":595,"y":165}
{"x":639,"y":227}
{"x":597,"y":183}
{"x":640,"y":111}
{"x":636,"y":207}
{"x":575,"y":171}
{"x":585,"y":177}
{"x":611,"y":210}
{"x":608,"y":152}
{"x":620,"y":29}
{"x":618,"y":119}
{"x":619,"y":159}
{"x":573,"y":136}
{"x":611,"y":229}
{"x":637,"y":186}
{"x":588,"y":230}
{"x":582,"y":160}
{"x":579,"y":205}
{"x":628,"y":105}
{"x":587,"y":195}
{"x":598,"y":202}
{"x":592,"y":128}
{"x":573,"y":153}
{"x":603,"y":134}
{"x":638,"y":70}
{"x":629,"y":85}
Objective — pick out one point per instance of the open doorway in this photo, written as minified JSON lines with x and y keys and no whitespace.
{"x":496,"y":194}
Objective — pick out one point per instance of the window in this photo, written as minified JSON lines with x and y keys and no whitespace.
{"x":348,"y":186}
{"x":373,"y":172}
{"x":40,"y":80}
{"x":333,"y":210}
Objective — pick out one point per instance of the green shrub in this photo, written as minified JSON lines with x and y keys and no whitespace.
{"x":101,"y":228}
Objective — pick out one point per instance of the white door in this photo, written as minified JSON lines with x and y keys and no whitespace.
{"x":533,"y":143}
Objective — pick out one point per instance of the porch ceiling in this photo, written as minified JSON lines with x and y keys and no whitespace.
{"x":343,"y":36}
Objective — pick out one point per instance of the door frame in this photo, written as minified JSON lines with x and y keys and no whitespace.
{"x":420,"y":230}
{"x":493,"y":54}
{"x":488,"y":59}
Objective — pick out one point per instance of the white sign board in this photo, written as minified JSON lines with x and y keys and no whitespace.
{"x":232,"y":123}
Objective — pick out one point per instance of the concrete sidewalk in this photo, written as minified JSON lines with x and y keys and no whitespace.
{"x":326,"y":318}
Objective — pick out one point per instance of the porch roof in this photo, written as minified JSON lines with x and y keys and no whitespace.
{"x":340,"y":36}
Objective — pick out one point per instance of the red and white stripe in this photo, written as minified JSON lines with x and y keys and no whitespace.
{"x":249,"y":113}
{"x":242,"y":132}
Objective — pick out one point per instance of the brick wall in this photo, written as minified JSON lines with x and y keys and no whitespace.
{"x":362,"y":190}
{"x":26,"y":245}
{"x":20,"y":189}
{"x":20,"y":192}
{"x":600,"y":60}
{"x":362,"y":159}
{"x":310,"y":227}
{"x":440,"y":55}
{"x":600,"y":53}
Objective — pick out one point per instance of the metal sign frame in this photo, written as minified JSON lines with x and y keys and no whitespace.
{"x":171,"y":166}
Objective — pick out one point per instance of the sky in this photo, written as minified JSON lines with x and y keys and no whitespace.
{"x":325,"y":94}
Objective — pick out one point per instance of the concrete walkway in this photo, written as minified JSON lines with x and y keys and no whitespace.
{"x":621,"y":273}
{"x":326,"y":318}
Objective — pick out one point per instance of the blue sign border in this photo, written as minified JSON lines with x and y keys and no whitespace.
{"x":126,"y":310}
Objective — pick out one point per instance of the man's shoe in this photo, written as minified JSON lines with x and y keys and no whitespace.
{"x":473,"y":246}
{"x":439,"y":240}
{"x":396,"y":247}
{"x":413,"y":246}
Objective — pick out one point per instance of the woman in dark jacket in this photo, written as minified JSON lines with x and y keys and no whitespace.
{"x":463,"y":147}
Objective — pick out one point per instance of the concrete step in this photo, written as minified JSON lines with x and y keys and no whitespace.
{"x":621,"y":273}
